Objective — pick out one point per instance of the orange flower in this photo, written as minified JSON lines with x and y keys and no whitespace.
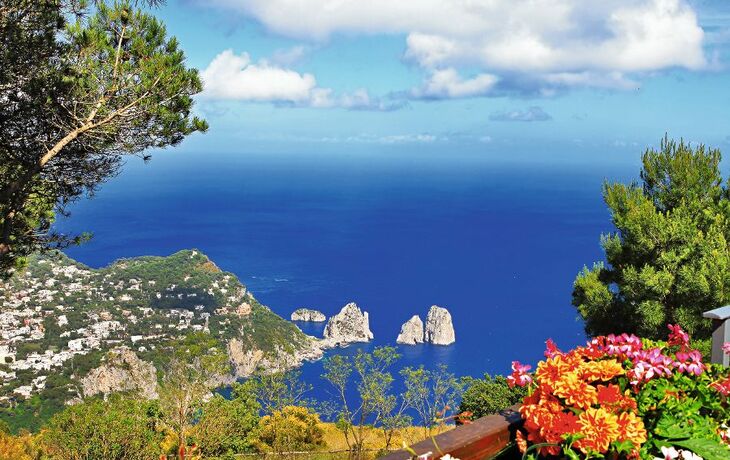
{"x":575,"y":391}
{"x":521,"y":441}
{"x":632,"y":428}
{"x":551,"y":370}
{"x":600,"y":429}
{"x":561,"y":423}
{"x":611,"y":397}
{"x":601,"y":370}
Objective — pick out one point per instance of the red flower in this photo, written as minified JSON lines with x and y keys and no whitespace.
{"x":677,"y":336}
{"x":610,"y":396}
{"x":519,"y":376}
{"x":551,"y":349}
{"x":722,"y":387}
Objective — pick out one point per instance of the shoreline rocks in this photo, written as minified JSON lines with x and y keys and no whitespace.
{"x":309,"y":315}
{"x":350,"y":325}
{"x":439,"y":327}
{"x":246,"y":361}
{"x":411,"y":332}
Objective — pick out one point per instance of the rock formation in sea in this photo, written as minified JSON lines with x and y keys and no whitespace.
{"x":439,"y":327}
{"x":122,"y":371}
{"x":411,"y":332}
{"x":350,"y":325}
{"x":306,"y":314}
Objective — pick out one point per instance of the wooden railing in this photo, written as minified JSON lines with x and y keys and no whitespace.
{"x":480,"y":440}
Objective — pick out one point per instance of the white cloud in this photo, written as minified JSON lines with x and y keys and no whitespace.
{"x":407,"y":138}
{"x":231,"y":76}
{"x":235,"y":77}
{"x":447,"y":83}
{"x":361,"y":100}
{"x":531,"y":114}
{"x":416,"y":138}
{"x":542,"y":41}
{"x":290,"y":56}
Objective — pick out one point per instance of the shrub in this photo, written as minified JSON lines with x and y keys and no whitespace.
{"x":225,"y":427}
{"x":120,"y":428}
{"x":21,"y":447}
{"x":489,"y":395}
{"x":290,"y":429}
{"x":621,"y":397}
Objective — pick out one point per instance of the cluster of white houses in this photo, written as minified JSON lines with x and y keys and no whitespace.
{"x":70,"y":292}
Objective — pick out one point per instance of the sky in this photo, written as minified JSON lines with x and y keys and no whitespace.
{"x":576,"y":79}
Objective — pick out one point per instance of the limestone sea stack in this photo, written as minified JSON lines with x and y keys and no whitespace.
{"x":439,"y":327}
{"x":306,"y":314}
{"x":350,"y":325}
{"x":411,"y":332}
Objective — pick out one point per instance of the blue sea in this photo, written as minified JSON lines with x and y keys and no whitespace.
{"x":495,"y":241}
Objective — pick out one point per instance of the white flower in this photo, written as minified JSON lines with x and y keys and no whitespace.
{"x":448,"y":457}
{"x":669,"y":453}
{"x":688,"y":455}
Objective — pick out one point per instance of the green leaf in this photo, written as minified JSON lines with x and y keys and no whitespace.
{"x":705,"y":448}
{"x":669,"y":427}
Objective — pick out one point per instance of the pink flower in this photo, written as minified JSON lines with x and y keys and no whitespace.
{"x":519,"y":376}
{"x":551,"y":350}
{"x":726,"y":348}
{"x":690,"y":363}
{"x":623,"y":346}
{"x":649,"y":364}
{"x":677,"y":336}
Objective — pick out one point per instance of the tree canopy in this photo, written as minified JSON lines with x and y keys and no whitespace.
{"x":81,"y":87}
{"x":668,"y":260}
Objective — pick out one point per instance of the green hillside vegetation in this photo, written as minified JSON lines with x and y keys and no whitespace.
{"x":156,"y":300}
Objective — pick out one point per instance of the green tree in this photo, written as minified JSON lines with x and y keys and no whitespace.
{"x":121,"y":428}
{"x":668,"y":260}
{"x":291,"y":429}
{"x":194,"y":369}
{"x":276,"y":390}
{"x":226,"y":427}
{"x":489,"y":395}
{"x":77,"y":96}
{"x":431,"y":393}
{"x":368,"y":375}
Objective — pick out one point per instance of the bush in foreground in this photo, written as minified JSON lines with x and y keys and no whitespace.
{"x":489,"y":395}
{"x":291,"y":429}
{"x":119,"y":428}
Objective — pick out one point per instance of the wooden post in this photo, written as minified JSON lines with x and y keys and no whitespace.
{"x":721,"y":322}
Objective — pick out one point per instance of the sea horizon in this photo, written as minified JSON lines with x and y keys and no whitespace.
{"x":498,"y":241}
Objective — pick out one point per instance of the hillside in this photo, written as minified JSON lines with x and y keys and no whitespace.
{"x":59,"y":319}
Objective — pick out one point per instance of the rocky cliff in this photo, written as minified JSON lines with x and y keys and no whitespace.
{"x":439,"y":327}
{"x":122,"y":371}
{"x":245,"y":361}
{"x":411,"y":332}
{"x":350,"y":325}
{"x":306,"y":314}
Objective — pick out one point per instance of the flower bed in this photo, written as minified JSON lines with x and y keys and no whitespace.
{"x":622,"y":397}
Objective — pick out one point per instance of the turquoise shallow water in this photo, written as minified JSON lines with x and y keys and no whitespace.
{"x":498,"y":244}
